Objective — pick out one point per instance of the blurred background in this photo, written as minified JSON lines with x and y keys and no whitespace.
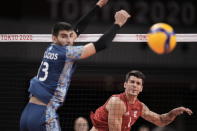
{"x":171,"y":79}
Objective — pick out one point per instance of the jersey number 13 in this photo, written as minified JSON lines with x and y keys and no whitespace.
{"x":44,"y":68}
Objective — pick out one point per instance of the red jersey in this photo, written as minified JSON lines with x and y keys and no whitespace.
{"x":133,"y":111}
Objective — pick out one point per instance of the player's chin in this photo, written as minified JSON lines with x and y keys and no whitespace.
{"x":133,"y":93}
{"x":67,"y":44}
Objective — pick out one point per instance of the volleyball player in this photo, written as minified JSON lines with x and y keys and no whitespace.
{"x":121,"y":111}
{"x":49,"y":88}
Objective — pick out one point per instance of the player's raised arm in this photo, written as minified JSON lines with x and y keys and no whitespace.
{"x":83,"y":22}
{"x":90,"y":49}
{"x":163,"y":119}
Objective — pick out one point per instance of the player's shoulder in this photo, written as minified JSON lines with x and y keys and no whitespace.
{"x":114,"y":103}
{"x":54,"y":47}
{"x":139,"y":102}
{"x":115,"y":99}
{"x":118,"y":95}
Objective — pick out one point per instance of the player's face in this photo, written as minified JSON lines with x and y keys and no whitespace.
{"x":65,"y":37}
{"x":133,"y":86}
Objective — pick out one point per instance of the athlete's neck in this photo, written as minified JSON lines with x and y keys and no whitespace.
{"x":131,"y":98}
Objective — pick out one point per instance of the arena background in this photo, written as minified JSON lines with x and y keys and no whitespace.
{"x":171,"y":79}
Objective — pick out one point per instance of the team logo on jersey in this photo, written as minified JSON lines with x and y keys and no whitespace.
{"x":135,"y":114}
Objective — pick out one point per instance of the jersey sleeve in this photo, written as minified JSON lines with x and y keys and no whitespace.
{"x":83,"y":22}
{"x":73,"y":52}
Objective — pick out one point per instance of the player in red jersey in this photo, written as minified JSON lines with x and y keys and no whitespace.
{"x":121,"y":111}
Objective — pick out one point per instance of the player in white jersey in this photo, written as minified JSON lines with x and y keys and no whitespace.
{"x":48,"y":89}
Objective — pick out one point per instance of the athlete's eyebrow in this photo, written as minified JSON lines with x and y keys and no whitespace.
{"x":64,"y":35}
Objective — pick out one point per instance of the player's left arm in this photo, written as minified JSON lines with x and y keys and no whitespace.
{"x":83,"y":22}
{"x":163,"y":119}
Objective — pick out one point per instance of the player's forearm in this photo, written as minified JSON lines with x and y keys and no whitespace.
{"x":91,"y":48}
{"x":167,"y":118}
{"x":83,"y":22}
{"x":107,"y":38}
{"x":114,"y":126}
{"x":114,"y":123}
{"x":115,"y":129}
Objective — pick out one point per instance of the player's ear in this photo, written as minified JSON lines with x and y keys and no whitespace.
{"x":75,"y":35}
{"x":54,"y":38}
{"x":141,"y":88}
{"x":125,"y":83}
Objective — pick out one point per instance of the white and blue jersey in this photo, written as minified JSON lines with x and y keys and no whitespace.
{"x":52,"y":82}
{"x":50,"y":86}
{"x":54,"y":75}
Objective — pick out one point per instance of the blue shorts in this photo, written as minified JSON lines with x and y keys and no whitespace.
{"x":39,"y":118}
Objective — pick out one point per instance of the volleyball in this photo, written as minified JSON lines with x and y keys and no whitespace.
{"x":161,"y":38}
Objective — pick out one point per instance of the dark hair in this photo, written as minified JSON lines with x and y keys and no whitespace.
{"x":61,"y":26}
{"x":135,"y":73}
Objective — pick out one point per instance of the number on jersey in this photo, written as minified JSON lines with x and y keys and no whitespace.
{"x":44,"y":68}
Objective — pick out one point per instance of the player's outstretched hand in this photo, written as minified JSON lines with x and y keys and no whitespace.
{"x":102,"y":3}
{"x":121,"y":17}
{"x":181,"y":110}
